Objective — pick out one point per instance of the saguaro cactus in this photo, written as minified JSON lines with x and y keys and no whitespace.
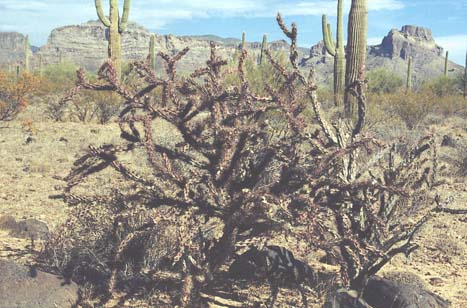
{"x":26,"y":54}
{"x":264,"y":46}
{"x":152,"y":51}
{"x":116,"y":25}
{"x":41,"y":69}
{"x":409,"y":75}
{"x":446,"y":64}
{"x":337,"y":51}
{"x":243,"y":40}
{"x":465,"y":77}
{"x":356,"y":48}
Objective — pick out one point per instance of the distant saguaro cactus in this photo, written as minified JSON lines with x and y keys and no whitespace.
{"x":465,"y":77}
{"x":243,"y":40}
{"x":264,"y":47}
{"x":116,"y":25}
{"x":152,"y":51}
{"x":409,"y":75}
{"x":41,"y":69}
{"x":337,"y":51}
{"x":356,"y":48}
{"x":446,"y":64}
{"x":26,"y":54}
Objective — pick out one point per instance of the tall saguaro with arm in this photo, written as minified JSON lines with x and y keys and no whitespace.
{"x":356,"y":48}
{"x":116,"y":25}
{"x":337,"y":51}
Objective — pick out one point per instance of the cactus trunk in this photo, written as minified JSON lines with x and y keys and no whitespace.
{"x":116,"y":27}
{"x":356,"y":48}
{"x":243,"y":40}
{"x":26,"y":54}
{"x":337,"y":51}
{"x":465,"y":77}
{"x":264,"y":46}
{"x":41,"y":70}
{"x":152,"y":51}
{"x":409,"y":75}
{"x":446,"y":64}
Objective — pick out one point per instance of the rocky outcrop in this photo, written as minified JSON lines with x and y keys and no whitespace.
{"x":410,"y":41}
{"x":11,"y":47}
{"x":86,"y":46}
{"x":392,"y":54}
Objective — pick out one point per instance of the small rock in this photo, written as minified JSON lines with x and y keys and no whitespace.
{"x":22,"y":286}
{"x":63,"y":139}
{"x":448,"y":141}
{"x":29,"y":140}
{"x":436,"y":281}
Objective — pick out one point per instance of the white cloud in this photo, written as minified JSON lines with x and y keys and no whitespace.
{"x":456,"y":45}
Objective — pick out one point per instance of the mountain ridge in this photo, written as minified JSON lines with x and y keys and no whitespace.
{"x":86,"y":46}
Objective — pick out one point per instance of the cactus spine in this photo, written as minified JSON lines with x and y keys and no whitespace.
{"x":264,"y":46}
{"x":243,"y":40}
{"x":337,"y":51}
{"x":116,"y":27}
{"x":409,"y":75}
{"x":26,"y":54}
{"x":152,"y":51}
{"x":356,"y":48}
{"x":446,"y":64}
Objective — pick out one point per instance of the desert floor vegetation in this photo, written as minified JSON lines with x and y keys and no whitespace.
{"x":153,"y":184}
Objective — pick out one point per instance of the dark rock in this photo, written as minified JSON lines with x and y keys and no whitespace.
{"x":383,"y":293}
{"x":30,"y":228}
{"x":410,"y":41}
{"x":21,"y":287}
{"x":448,"y":141}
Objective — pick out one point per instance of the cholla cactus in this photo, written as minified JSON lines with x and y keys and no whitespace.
{"x":116,"y":25}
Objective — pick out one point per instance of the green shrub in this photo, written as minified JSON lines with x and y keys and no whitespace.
{"x":382,"y":81}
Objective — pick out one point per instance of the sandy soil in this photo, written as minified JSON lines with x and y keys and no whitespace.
{"x":30,"y":171}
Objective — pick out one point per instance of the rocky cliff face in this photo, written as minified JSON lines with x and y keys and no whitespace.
{"x":86,"y":46}
{"x":11,"y":47}
{"x":392,"y":54}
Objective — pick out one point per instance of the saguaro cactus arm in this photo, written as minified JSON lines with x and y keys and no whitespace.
{"x":100,"y":13}
{"x":124,"y":20}
{"x":327,"y":37}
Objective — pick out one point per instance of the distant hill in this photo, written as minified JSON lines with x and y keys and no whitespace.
{"x":86,"y":46}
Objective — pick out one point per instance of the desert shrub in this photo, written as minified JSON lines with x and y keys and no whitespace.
{"x":172,"y":221}
{"x":442,"y":86}
{"x":382,"y":81}
{"x":14,"y":94}
{"x":410,"y":107}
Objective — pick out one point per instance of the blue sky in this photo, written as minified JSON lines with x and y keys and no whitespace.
{"x":447,"y":18}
